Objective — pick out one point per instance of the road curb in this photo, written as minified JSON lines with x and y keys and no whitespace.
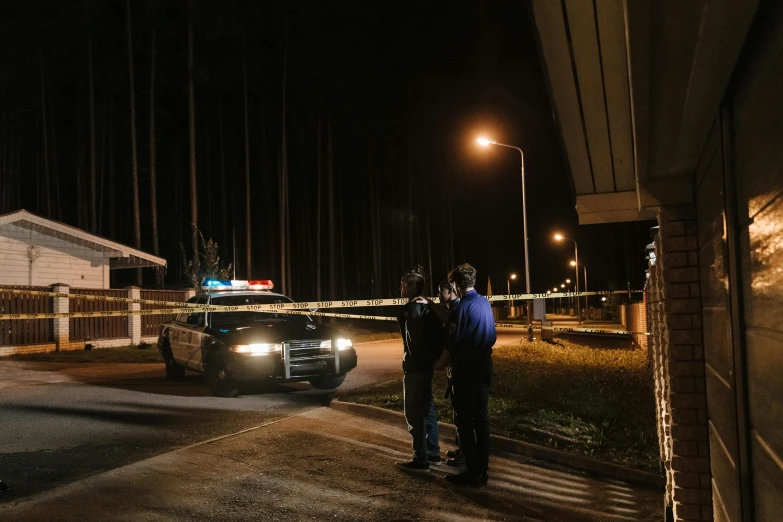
{"x":534,"y":451}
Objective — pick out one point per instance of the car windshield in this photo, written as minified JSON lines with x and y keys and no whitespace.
{"x":233,"y":318}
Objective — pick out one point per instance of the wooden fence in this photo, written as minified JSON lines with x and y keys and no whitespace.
{"x":151,"y":323}
{"x":84,"y":328}
{"x":27,"y":331}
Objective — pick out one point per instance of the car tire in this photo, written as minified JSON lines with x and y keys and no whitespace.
{"x":327,"y":383}
{"x":174,"y":370}
{"x":219,"y":380}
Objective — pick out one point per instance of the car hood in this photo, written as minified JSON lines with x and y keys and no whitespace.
{"x":272,"y":332}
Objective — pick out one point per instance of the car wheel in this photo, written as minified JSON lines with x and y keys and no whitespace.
{"x":174,"y":370}
{"x":219,"y":379}
{"x":327,"y":383}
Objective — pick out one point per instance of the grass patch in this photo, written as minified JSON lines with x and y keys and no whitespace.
{"x":125,"y":354}
{"x":591,"y":401}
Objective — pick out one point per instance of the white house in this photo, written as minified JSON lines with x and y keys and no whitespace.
{"x":40,"y":252}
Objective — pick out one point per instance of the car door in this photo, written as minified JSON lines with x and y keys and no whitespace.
{"x":178,"y":335}
{"x":191,"y":336}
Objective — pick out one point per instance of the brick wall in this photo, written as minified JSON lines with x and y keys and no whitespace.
{"x":677,"y":354}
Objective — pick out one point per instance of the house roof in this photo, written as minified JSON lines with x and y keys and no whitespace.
{"x":120,"y":256}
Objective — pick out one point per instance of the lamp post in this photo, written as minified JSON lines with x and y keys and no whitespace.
{"x":510,"y":302}
{"x":484,"y":142}
{"x":562,"y":286}
{"x":584,"y":289}
{"x":560,"y":237}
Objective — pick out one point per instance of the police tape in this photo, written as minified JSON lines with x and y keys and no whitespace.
{"x":307,"y":305}
{"x":569,"y":329}
{"x":224,"y":309}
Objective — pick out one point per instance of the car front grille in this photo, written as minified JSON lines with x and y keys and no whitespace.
{"x":306,"y":349}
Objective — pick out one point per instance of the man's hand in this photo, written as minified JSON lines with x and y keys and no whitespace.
{"x":443,"y":362}
{"x":422,"y":300}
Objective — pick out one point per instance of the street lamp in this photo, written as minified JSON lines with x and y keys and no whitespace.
{"x":560,"y":237}
{"x":584,"y":268}
{"x":514,"y":277}
{"x":484,"y":142}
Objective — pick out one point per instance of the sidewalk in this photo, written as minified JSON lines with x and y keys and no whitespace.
{"x":327,"y":464}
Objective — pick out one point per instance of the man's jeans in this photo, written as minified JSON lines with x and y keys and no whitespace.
{"x":431,"y":423}
{"x":420,"y":414}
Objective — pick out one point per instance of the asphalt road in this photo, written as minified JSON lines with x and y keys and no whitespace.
{"x":61,"y":423}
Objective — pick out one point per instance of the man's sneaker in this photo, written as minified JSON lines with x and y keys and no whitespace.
{"x":454,"y":453}
{"x":456,"y":462}
{"x":414,"y":464}
{"x":434,"y":458}
{"x":462,"y":479}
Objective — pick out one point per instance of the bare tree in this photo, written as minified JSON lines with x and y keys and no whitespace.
{"x":192,"y":125}
{"x":134,"y":155}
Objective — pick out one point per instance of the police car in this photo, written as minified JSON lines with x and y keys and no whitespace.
{"x":236,"y":347}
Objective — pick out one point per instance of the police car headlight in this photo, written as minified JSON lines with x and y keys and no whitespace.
{"x":257,"y":349}
{"x":344,"y":344}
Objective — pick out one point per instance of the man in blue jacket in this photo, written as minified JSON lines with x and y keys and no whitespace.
{"x":471,"y":336}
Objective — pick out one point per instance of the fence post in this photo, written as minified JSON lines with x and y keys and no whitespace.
{"x":134,"y":321}
{"x":62,"y":326}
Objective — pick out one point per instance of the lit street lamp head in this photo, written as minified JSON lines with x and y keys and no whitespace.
{"x":484,"y":142}
{"x":558,"y":237}
{"x":562,"y":286}
{"x":573,"y":263}
{"x":513,"y":276}
{"x":568,"y":281}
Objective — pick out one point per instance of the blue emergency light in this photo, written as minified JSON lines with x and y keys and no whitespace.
{"x":257,"y":284}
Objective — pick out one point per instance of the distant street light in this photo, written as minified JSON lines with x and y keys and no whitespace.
{"x":484,"y":142}
{"x":560,"y":237}
{"x":510,"y":303}
{"x":587,"y":304}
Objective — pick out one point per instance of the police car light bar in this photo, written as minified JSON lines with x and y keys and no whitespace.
{"x":256,"y":284}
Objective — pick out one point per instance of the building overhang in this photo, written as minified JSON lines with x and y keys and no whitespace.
{"x":119,"y":255}
{"x":635,"y":86}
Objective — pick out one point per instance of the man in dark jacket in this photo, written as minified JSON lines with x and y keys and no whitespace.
{"x":422,"y":340}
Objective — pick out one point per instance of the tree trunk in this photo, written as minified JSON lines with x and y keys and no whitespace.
{"x":223,"y":184}
{"x":192,"y":141}
{"x":134,"y":155}
{"x":104,"y":155}
{"x":409,"y":218}
{"x":93,"y":206}
{"x":45,"y":135}
{"x":318,"y":216}
{"x":112,"y":182}
{"x":153,"y":165}
{"x":284,"y":234}
{"x":55,"y":163}
{"x":330,"y":195}
{"x":429,"y":243}
{"x":248,"y":223}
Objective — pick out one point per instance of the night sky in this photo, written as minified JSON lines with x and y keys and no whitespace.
{"x":406,"y":88}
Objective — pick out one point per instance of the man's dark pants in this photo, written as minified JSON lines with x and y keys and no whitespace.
{"x":471,"y":402}
{"x":417,"y":389}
